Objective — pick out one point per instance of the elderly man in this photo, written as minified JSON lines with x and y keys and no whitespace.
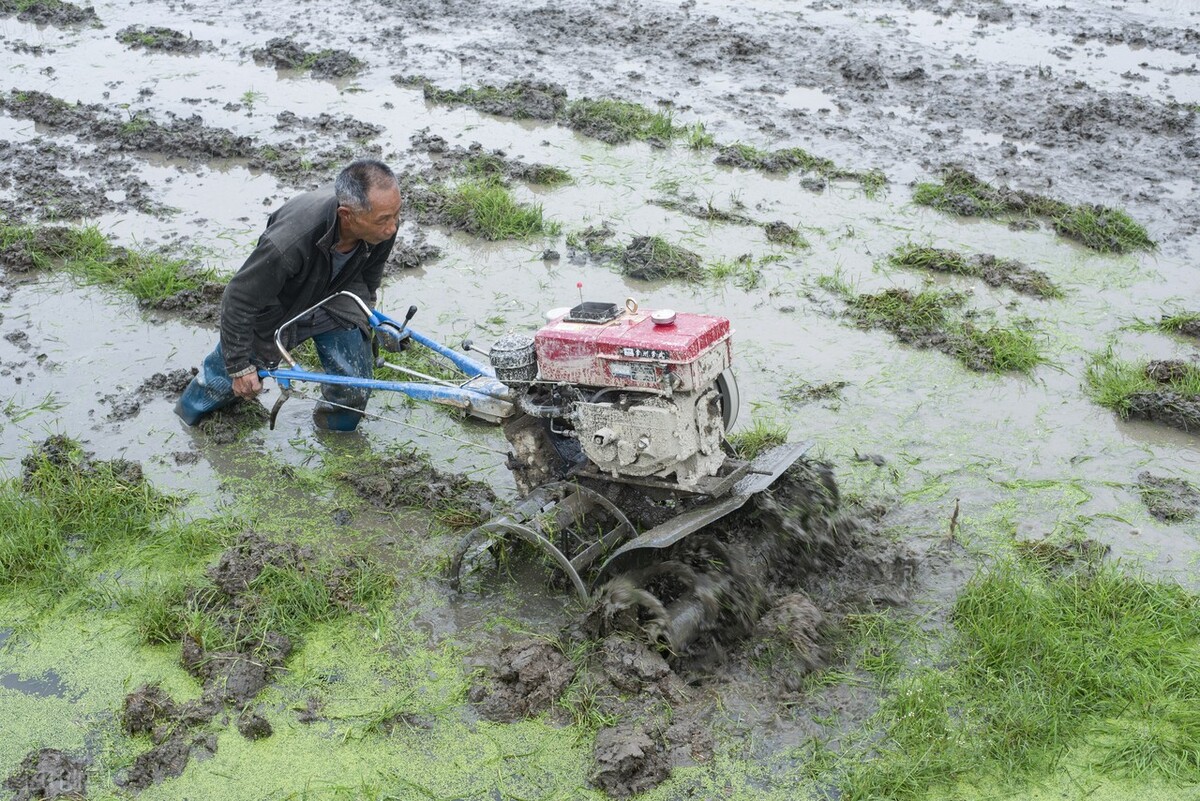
{"x":330,"y":240}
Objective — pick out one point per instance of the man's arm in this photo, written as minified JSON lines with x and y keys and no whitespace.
{"x":252,"y":290}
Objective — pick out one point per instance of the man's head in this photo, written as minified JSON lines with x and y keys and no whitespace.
{"x":368,"y":198}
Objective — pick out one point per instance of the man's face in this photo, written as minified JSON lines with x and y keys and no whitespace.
{"x":379,"y":223}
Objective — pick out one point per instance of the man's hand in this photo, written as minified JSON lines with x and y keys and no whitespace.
{"x":247,"y":386}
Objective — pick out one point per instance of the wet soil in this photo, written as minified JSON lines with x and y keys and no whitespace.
{"x":528,"y":679}
{"x":50,"y":12}
{"x":1171,"y":500}
{"x":410,"y":480}
{"x":1167,"y":408}
{"x":48,"y":773}
{"x":286,"y":53}
{"x":164,"y":40}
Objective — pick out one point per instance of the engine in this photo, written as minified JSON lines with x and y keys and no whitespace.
{"x":640,"y":391}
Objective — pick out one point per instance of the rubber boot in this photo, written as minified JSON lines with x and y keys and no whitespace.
{"x":343,"y":352}
{"x":209,"y":390}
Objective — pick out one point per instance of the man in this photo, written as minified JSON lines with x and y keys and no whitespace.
{"x":326,"y":241}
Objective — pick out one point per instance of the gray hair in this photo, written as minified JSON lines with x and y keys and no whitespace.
{"x":355,"y":182}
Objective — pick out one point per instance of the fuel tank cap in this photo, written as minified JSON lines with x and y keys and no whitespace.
{"x":663,"y":317}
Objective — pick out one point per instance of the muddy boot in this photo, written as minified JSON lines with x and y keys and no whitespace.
{"x":210,"y":389}
{"x":343,"y":352}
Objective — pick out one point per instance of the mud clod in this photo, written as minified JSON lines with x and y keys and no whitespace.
{"x":145,"y":708}
{"x":628,"y":761}
{"x":286,"y":53}
{"x":1171,"y":500}
{"x":163,"y":40}
{"x":410,"y":480}
{"x":168,"y":759}
{"x":48,"y":773}
{"x":50,"y":12}
{"x":652,"y":258}
{"x":795,"y":624}
{"x":631,"y":665}
{"x":528,"y":679}
{"x":1166,"y":407}
{"x":254,"y":726}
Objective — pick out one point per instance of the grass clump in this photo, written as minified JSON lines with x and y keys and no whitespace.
{"x":931,"y":318}
{"x":67,"y":512}
{"x":1181,"y":323}
{"x":926,"y":258}
{"x":618,"y":121}
{"x":791,"y":159}
{"x":487,"y":209}
{"x":1127,"y":387}
{"x":1097,"y":227}
{"x":762,"y":435}
{"x":654,"y":258}
{"x":994,"y":271}
{"x":86,"y":253}
{"x":1044,"y":663}
{"x":742,"y":271}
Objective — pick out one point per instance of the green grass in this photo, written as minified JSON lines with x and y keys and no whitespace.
{"x":1008,"y":348}
{"x":64,"y":513}
{"x":932,"y":318}
{"x":1103,"y":229}
{"x":1179,"y":321}
{"x":616,"y":121}
{"x":1041,"y":664}
{"x":1097,"y":227}
{"x":927,"y":258}
{"x":922,"y":312}
{"x":487,"y":209}
{"x":762,"y":435}
{"x":86,"y":253}
{"x":1112,"y":381}
{"x":652,"y":257}
{"x":786,"y":160}
{"x":742,"y":271}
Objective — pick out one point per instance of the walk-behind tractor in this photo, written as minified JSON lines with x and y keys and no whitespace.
{"x":616,"y":419}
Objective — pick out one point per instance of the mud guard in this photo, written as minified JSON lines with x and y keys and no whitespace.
{"x":762,"y":474}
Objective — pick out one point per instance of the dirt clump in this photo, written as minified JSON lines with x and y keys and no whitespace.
{"x":167,"y":760}
{"x":629,"y":760}
{"x":286,"y":53}
{"x":254,"y":726}
{"x":229,"y":423}
{"x":798,"y":626}
{"x":528,"y":678}
{"x":201,"y":304}
{"x":1167,"y":407}
{"x":651,"y":258}
{"x":66,"y":461}
{"x":1166,"y":371}
{"x":48,"y":773}
{"x":520,"y":99}
{"x":346,"y":127}
{"x":50,"y":12}
{"x":1171,"y":500}
{"x":410,"y":479}
{"x":162,"y":40}
{"x":145,"y":708}
{"x":409,"y":255}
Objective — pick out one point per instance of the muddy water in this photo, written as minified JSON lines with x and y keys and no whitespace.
{"x":1080,"y":103}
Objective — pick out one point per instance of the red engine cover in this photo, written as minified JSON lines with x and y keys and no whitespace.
{"x":632,"y":351}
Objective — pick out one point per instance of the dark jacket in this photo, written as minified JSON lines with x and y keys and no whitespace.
{"x":288,"y":272}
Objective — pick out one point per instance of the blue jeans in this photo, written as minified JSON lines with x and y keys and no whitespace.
{"x":342,"y":352}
